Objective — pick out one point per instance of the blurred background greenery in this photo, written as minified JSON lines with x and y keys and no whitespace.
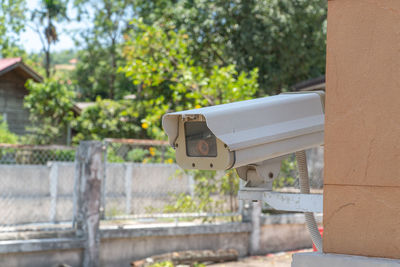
{"x":134,"y":60}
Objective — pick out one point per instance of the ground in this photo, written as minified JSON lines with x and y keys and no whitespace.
{"x":282,"y":259}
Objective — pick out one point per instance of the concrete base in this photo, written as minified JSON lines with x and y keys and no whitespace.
{"x":316,"y":259}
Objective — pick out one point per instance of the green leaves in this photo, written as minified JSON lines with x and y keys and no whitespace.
{"x":214,"y":192}
{"x":101,"y":54}
{"x":6,"y":137}
{"x":50,"y":106}
{"x":283,"y":39}
{"x":109,"y":119}
{"x":160,"y":63}
{"x":94,"y":74}
{"x":12,"y":23}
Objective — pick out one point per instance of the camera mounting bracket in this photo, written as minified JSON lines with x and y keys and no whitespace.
{"x":284,"y":201}
{"x":258,"y":187}
{"x":261,"y":174}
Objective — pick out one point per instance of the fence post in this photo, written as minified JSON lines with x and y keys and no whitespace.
{"x":251,"y":213}
{"x":103,"y":185}
{"x":256,"y":228}
{"x":89,"y":169}
{"x":191,"y":184}
{"x":128,"y":187}
{"x":53,"y":176}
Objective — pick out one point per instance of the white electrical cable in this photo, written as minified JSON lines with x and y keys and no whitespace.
{"x":305,"y":189}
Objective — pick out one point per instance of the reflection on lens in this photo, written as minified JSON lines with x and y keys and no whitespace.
{"x":203,"y":147}
{"x":200,"y":141}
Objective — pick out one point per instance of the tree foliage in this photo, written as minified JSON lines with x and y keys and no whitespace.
{"x":50,"y":108}
{"x":92,"y":75}
{"x":101,"y":56}
{"x":182,"y":54}
{"x":284,"y":39}
{"x":12,"y":23}
{"x":214,"y":192}
{"x":44,"y":20}
{"x":160,"y":64}
{"x":6,"y":137}
{"x":109,"y":119}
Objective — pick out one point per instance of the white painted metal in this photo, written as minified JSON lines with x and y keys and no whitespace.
{"x":261,"y":128}
{"x":262,"y":174}
{"x":285,"y":201}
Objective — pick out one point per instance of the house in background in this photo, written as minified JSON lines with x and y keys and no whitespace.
{"x":314,"y":84}
{"x":13,"y":75}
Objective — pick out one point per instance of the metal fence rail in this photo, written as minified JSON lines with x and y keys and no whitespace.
{"x":174,"y":216}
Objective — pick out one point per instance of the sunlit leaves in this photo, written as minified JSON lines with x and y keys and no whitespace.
{"x":283,"y":39}
{"x":168,"y":78}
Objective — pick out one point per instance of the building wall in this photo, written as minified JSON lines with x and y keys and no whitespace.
{"x":362,"y":129}
{"x":12,"y":92}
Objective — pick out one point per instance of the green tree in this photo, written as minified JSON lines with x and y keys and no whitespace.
{"x":160,"y":65}
{"x":12,"y":23}
{"x":109,"y":119}
{"x":92,"y":75}
{"x":6,"y":137}
{"x":50,"y":107}
{"x":284,"y":39}
{"x":102,"y":56}
{"x":44,"y":19}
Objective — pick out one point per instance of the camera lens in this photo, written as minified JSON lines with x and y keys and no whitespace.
{"x":200,"y":141}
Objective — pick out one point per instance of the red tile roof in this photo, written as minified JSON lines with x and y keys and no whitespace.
{"x":8,"y":62}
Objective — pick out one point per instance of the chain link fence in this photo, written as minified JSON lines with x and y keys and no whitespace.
{"x":144,"y":183}
{"x":36,"y":187}
{"x":35,"y":155}
{"x":141,"y":183}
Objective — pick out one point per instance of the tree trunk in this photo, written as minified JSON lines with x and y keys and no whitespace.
{"x":47,"y":63}
{"x":47,"y":52}
{"x":113,"y":69}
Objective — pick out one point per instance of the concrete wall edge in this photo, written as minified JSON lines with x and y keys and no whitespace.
{"x":34,"y":245}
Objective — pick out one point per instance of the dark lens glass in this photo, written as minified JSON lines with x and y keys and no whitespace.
{"x":200,"y":141}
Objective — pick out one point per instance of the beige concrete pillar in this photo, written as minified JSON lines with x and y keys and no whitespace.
{"x":362,"y":130}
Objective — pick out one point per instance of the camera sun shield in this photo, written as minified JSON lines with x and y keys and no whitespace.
{"x":246,"y":132}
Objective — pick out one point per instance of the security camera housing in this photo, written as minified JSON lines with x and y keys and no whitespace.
{"x":246,"y":132}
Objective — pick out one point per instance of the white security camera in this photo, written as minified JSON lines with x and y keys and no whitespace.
{"x":253,"y":136}
{"x":246,"y":132}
